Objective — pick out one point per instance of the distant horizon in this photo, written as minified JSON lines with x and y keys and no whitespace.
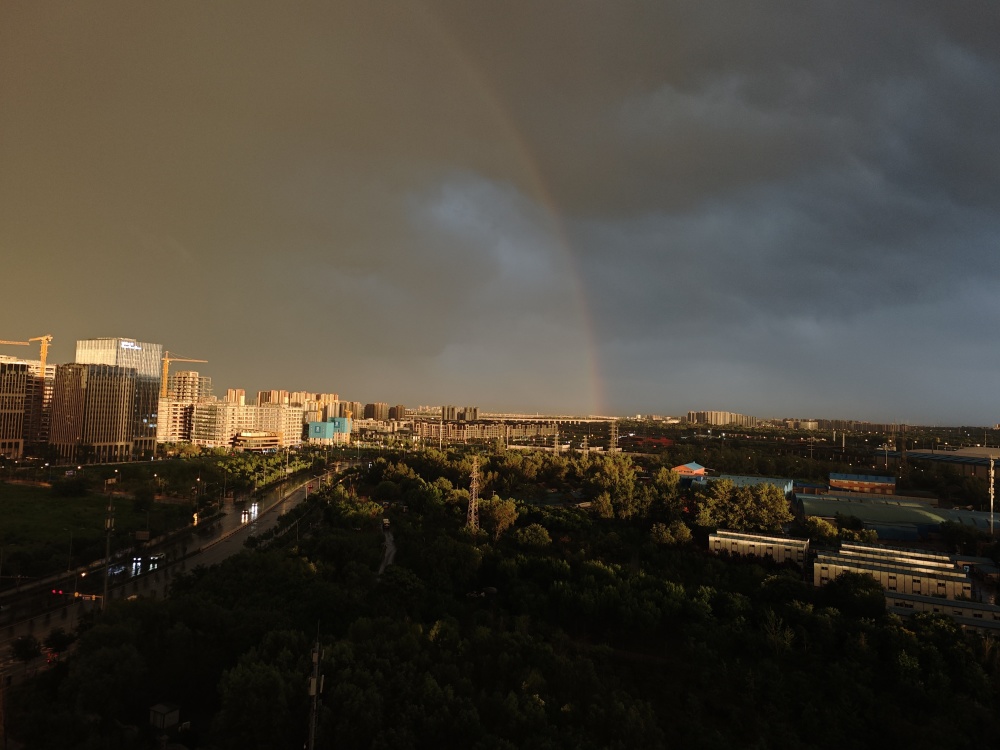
{"x":491,"y":410}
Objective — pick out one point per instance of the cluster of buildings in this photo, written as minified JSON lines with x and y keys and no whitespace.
{"x":101,"y":407}
{"x":116,"y":402}
{"x":962,"y":587}
{"x":721,"y":418}
{"x":958,"y":586}
{"x":732,"y":419}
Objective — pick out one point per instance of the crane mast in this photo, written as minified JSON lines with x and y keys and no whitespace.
{"x":167,"y":359}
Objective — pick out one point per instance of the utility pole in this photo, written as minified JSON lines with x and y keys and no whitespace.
{"x":109,"y":526}
{"x":472,"y":520}
{"x":991,"y":497}
{"x":315,"y":688}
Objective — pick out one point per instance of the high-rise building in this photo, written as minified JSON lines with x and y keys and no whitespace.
{"x":37,"y":400}
{"x":93,"y":412}
{"x":13,"y":393}
{"x":449,"y":413}
{"x":378,"y":411}
{"x":397,"y":412}
{"x":185,"y":388}
{"x":145,"y":359}
{"x":272,"y":397}
{"x":236,"y":396}
{"x":189,"y":385}
{"x":352,"y":409}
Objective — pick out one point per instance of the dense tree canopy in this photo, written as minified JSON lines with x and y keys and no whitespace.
{"x":759,"y":507}
{"x":574,"y":629}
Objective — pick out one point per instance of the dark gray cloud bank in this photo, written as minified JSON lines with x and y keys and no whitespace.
{"x":777,"y":208}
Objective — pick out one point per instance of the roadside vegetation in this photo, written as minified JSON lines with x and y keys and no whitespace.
{"x":57,"y":525}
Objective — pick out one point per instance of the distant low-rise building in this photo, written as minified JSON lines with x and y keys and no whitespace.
{"x":258,"y":441}
{"x":778,"y":548}
{"x":333,"y":431}
{"x":739,"y":480}
{"x":898,"y":570}
{"x":873,"y":485}
{"x":690,"y":470}
{"x":979,"y":616}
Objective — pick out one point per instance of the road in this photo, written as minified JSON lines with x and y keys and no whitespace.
{"x":390,"y":552}
{"x":227,"y":539}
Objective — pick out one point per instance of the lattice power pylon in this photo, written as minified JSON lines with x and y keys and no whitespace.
{"x":613,"y":443}
{"x":472,"y":521}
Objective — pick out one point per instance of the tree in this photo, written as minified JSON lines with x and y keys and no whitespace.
{"x":674,"y":533}
{"x":760,"y":507}
{"x":820,"y":531}
{"x":856,"y":595}
{"x":25,"y":648}
{"x":533,"y":535}
{"x":602,"y":504}
{"x":666,"y":481}
{"x":59,"y":640}
{"x":497,"y":515}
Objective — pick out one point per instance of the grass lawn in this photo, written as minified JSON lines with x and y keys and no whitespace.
{"x":37,"y":527}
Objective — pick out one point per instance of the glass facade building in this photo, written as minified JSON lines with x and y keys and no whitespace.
{"x":145,"y":359}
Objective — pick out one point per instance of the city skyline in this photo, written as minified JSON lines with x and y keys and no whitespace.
{"x":787,"y":210}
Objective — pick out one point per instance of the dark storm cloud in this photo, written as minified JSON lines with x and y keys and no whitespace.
{"x":776,"y":208}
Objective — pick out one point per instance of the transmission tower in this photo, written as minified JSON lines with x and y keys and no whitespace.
{"x":472,"y":522}
{"x":613,"y":443}
{"x":555,"y":439}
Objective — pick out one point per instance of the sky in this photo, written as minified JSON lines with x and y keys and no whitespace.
{"x":778,"y":208}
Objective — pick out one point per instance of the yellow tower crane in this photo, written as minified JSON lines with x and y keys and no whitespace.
{"x":167,"y":359}
{"x":44,"y":353}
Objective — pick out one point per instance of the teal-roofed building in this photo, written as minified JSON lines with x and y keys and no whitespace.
{"x":334,"y":431}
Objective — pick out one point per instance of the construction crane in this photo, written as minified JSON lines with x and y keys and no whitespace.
{"x":43,"y":340}
{"x":167,"y":359}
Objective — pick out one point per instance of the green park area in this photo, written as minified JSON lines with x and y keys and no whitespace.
{"x":57,"y":525}
{"x":44,"y":532}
